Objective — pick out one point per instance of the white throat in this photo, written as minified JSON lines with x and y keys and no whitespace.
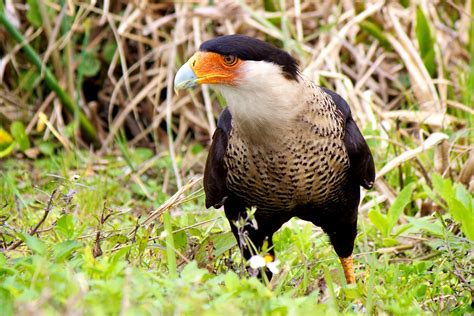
{"x":263,"y":101}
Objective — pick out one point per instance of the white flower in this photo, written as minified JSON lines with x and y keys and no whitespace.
{"x":273,"y":266}
{"x":257,"y":262}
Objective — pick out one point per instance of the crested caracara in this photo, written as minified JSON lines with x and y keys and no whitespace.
{"x":283,"y":145}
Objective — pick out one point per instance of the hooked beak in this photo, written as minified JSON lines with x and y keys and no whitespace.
{"x":185,"y":78}
{"x":206,"y":68}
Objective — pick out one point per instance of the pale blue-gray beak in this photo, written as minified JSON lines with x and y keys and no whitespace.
{"x":185,"y":78}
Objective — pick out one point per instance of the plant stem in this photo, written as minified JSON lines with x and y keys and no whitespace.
{"x":171,"y":257}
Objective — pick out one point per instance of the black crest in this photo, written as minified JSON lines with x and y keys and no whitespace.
{"x":249,"y":48}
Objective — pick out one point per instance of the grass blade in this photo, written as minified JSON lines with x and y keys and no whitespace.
{"x":49,"y":78}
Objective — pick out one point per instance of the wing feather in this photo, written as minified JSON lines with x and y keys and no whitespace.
{"x":215,"y":172}
{"x":362,"y":167}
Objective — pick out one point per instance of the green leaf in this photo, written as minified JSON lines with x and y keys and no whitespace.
{"x":463,"y":195}
{"x":33,"y":15}
{"x":389,"y":242}
{"x":46,"y":148}
{"x":192,"y":273}
{"x":223,"y":242}
{"x":220,"y":242}
{"x":401,"y":229}
{"x":65,"y":226}
{"x":426,"y":224}
{"x":376,"y":31}
{"x":272,"y":6}
{"x":119,"y":254}
{"x":380,"y":221}
{"x":3,"y":260}
{"x":423,"y":32}
{"x":142,"y":241}
{"x":70,"y":130}
{"x":429,"y":62}
{"x":440,"y":184}
{"x":456,"y":209}
{"x":467,"y":227}
{"x":65,"y":249}
{"x":117,"y":239}
{"x":402,"y":200}
{"x":5,"y":152}
{"x":425,"y":41}
{"x":431,"y":194}
{"x":405,"y":3}
{"x":89,"y":65}
{"x":141,"y":154}
{"x":19,"y":133}
{"x":231,"y":281}
{"x":7,"y":299}
{"x":108,"y":51}
{"x":137,"y":189}
{"x":460,"y":206}
{"x":459,"y":203}
{"x":197,"y":148}
{"x":180,"y":239}
{"x":35,"y":244}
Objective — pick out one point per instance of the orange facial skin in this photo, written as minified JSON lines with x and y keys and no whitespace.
{"x":213,"y":68}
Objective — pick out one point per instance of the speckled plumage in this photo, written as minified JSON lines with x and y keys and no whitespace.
{"x":307,"y":165}
{"x":283,"y":145}
{"x":311,"y":168}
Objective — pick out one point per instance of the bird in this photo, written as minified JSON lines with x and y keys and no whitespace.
{"x":283,"y":145}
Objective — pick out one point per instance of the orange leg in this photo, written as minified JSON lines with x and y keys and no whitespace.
{"x":348,"y":268}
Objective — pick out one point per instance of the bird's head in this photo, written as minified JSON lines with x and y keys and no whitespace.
{"x":260,"y":82}
{"x":236,"y":61}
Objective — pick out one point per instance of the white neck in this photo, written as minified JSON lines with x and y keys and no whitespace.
{"x":263,"y":101}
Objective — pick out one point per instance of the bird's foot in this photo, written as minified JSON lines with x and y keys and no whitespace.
{"x":347,"y":266}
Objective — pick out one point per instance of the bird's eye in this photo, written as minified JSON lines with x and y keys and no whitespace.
{"x":230,"y":60}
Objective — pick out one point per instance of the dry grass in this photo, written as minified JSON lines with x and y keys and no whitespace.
{"x":383,"y":78}
{"x":409,"y":80}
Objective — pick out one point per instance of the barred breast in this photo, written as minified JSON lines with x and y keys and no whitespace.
{"x":308,"y":165}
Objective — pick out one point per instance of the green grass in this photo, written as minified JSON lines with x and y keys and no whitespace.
{"x":414,"y":268}
{"x":90,"y":232}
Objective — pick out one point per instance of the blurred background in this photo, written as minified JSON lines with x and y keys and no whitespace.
{"x":404,"y":67}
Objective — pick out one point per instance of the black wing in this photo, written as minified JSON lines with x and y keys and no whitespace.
{"x":362,"y":167}
{"x":215,"y":172}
